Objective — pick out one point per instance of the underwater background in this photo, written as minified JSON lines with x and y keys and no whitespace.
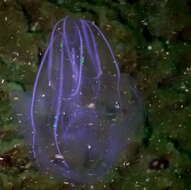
{"x":152,"y":42}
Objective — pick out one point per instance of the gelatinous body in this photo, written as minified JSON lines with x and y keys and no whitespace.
{"x":82,"y":113}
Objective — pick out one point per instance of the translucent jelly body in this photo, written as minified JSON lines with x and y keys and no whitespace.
{"x":82,"y":112}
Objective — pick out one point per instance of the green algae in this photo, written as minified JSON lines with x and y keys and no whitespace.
{"x":152,"y":42}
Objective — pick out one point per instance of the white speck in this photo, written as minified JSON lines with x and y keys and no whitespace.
{"x":72,"y":184}
{"x":16,"y":53}
{"x":43,"y":95}
{"x":147,"y":179}
{"x":14,"y":59}
{"x":117,"y":105}
{"x":144,"y":22}
{"x":6,"y":18}
{"x":91,"y":187}
{"x":1,"y":158}
{"x":149,"y":47}
{"x":89,"y":146}
{"x":137,"y":184}
{"x":16,"y":98}
{"x":2,"y":81}
{"x":34,"y":27}
{"x":90,"y":124}
{"x":16,"y":145}
{"x":126,"y":163}
{"x":115,"y":62}
{"x":59,"y":156}
{"x":49,"y":83}
{"x":186,"y":90}
{"x":114,"y":120}
{"x":91,"y":105}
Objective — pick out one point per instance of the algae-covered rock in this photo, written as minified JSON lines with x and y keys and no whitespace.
{"x":151,"y":40}
{"x":167,"y":18}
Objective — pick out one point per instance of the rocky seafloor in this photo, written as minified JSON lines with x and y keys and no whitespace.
{"x":152,"y":41}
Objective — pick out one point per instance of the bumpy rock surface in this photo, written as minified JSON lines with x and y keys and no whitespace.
{"x":151,"y":40}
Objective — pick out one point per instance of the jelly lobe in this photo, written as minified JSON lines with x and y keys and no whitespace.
{"x":82,"y":113}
